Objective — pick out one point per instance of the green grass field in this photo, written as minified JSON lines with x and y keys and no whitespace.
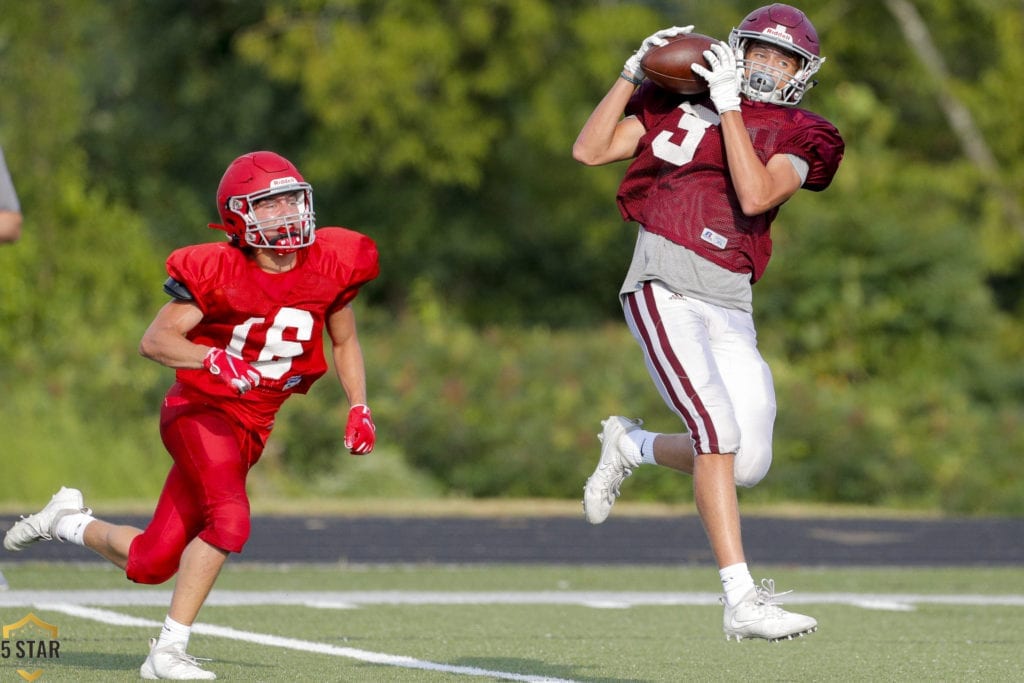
{"x":528,"y":623}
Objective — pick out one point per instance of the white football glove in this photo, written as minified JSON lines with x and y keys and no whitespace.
{"x":723,"y":77}
{"x":631,"y":70}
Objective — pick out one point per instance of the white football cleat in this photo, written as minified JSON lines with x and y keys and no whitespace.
{"x":40,"y":526}
{"x":602,"y":487}
{"x":172,"y":663}
{"x":758,"y":615}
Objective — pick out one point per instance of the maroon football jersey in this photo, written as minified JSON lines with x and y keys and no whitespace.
{"x":274,"y":321}
{"x":678,"y":186}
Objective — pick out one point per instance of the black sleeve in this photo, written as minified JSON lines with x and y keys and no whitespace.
{"x":177,"y":290}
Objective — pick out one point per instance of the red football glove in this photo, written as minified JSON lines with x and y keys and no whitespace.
{"x":233,"y":371}
{"x":360,"y":433}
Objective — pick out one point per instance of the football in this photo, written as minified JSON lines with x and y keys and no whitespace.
{"x":668,"y":65}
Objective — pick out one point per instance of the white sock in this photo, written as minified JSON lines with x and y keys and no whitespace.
{"x":174,"y":633}
{"x":737,"y":582}
{"x":71,"y":528}
{"x":639,"y":447}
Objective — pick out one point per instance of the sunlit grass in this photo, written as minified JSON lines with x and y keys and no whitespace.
{"x":928,"y":642}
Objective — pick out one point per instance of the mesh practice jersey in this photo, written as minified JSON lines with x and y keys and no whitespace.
{"x":274,"y":321}
{"x":678,"y":186}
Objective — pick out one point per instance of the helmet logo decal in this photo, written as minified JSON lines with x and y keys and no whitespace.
{"x":779,"y":32}
{"x":278,"y":182}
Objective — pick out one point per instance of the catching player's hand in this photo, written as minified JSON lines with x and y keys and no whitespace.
{"x":233,"y":371}
{"x":723,"y":77}
{"x":360,"y":432}
{"x":631,"y":71}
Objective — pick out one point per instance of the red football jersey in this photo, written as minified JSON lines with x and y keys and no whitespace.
{"x":678,"y":186}
{"x":274,"y":321}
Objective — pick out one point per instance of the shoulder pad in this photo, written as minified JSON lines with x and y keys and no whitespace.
{"x":177,"y":290}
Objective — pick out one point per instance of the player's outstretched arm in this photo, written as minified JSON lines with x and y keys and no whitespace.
{"x":360,"y":432}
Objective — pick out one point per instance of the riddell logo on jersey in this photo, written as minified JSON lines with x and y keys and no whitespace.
{"x":28,"y":640}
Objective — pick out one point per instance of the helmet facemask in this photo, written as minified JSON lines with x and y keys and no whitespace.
{"x":284,"y":231}
{"x":765,"y":83}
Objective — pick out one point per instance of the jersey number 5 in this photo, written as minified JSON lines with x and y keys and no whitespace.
{"x":275,"y":358}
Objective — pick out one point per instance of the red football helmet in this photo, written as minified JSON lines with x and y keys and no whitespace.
{"x":786,"y":28}
{"x":252,"y":178}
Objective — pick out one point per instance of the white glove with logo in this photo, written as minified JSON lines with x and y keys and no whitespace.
{"x":631,"y":70}
{"x":723,"y":77}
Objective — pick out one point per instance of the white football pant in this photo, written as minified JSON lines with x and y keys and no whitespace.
{"x":705,"y":362}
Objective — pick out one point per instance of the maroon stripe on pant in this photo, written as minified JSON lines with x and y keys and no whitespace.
{"x":675,"y":367}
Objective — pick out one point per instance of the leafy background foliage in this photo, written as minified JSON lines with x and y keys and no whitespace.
{"x":890,"y":313}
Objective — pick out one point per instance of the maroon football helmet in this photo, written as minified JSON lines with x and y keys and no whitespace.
{"x":259,"y":176}
{"x":785,"y":28}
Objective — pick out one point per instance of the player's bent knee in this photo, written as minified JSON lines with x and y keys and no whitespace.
{"x":748,"y":482}
{"x":150,"y":578}
{"x":751,"y":468}
{"x":228,"y":530}
{"x":151,"y":570}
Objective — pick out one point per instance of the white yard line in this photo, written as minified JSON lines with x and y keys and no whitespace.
{"x":353,"y":599}
{"x":117,"y":619}
{"x":83,"y":604}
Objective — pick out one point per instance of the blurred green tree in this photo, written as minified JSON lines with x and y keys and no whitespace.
{"x":443,"y":129}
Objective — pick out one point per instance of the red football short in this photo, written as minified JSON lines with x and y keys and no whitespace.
{"x":204,"y":494}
